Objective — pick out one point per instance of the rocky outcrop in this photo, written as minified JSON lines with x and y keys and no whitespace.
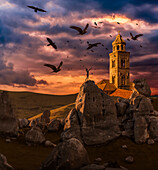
{"x":3,"y":163}
{"x":54,"y":125}
{"x":41,"y":121}
{"x":72,"y":126}
{"x":94,"y":116}
{"x":67,"y":155}
{"x":34,"y":136}
{"x":45,"y":118}
{"x":141,"y":87}
{"x":98,"y":118}
{"x":8,"y":122}
{"x":23,"y":122}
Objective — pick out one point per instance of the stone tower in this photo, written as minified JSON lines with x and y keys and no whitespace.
{"x":119,"y":64}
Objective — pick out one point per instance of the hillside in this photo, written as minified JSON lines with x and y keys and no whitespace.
{"x":28,"y":104}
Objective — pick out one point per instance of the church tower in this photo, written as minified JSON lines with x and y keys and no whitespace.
{"x":119,"y":64}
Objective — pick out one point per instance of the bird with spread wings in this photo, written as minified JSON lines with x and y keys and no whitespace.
{"x":51,"y":43}
{"x":36,"y":9}
{"x":136,"y":36}
{"x":80,"y":30}
{"x":92,"y":45}
{"x":55,"y":69}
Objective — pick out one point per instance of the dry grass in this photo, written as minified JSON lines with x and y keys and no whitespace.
{"x":59,"y":113}
{"x":28,"y":104}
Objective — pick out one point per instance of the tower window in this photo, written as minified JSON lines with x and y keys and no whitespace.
{"x":121,"y":47}
{"x":113,"y":79}
{"x":114,"y":48}
{"x":122,"y":63}
{"x":118,"y":47}
{"x":123,"y":80}
{"x":113,"y":63}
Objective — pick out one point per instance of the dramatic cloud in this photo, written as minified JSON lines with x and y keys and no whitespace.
{"x":24,"y":49}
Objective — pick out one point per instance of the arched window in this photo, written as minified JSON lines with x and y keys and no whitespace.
{"x":113,"y":63}
{"x":123,"y":80}
{"x":118,"y":47}
{"x":113,"y":79}
{"x":122,"y":63}
{"x":121,"y":47}
{"x":113,"y":48}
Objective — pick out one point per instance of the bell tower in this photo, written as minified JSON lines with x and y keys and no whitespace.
{"x":119,"y":64}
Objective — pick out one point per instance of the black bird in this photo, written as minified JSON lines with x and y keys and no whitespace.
{"x":103,"y":45}
{"x":95,"y":23}
{"x":81,"y":32}
{"x":118,"y":22}
{"x":51,"y":43}
{"x":87,"y":70}
{"x":55,"y":69}
{"x":128,"y":39}
{"x":136,"y":36}
{"x":141,"y":46}
{"x":92,"y":45}
{"x":106,"y":48}
{"x":110,"y":35}
{"x":37,"y":9}
{"x":136,"y":23}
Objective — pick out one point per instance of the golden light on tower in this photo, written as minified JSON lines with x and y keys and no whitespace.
{"x":119,"y":64}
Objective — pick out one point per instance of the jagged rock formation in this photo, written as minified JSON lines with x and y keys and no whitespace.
{"x":23,"y":122}
{"x":67,"y":155}
{"x":141,"y":87}
{"x":94,"y":119}
{"x":34,"y":136}
{"x":3,"y":163}
{"x":8,"y":122}
{"x":41,"y":121}
{"x":97,"y":118}
{"x":54,"y":125}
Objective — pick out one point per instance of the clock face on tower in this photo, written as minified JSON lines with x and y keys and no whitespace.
{"x":119,"y":64}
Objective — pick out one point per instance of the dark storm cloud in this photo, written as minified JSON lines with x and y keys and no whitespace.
{"x":145,"y":63}
{"x":10,"y":77}
{"x":29,"y":2}
{"x":42,"y":82}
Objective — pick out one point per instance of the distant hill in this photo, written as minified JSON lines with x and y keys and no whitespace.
{"x":59,"y":113}
{"x":28,"y":104}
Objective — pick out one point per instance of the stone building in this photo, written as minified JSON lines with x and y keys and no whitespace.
{"x":119,"y":64}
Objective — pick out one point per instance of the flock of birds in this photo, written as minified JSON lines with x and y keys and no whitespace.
{"x":80,"y":32}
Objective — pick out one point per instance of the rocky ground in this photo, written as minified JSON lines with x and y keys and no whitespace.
{"x":100,"y":132}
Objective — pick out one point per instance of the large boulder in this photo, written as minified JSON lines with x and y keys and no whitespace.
{"x":97,"y":114}
{"x":8,"y":122}
{"x":3,"y":163}
{"x":141,"y":87}
{"x":34,"y":136}
{"x":23,"y":122}
{"x":67,"y":155}
{"x":72,"y":126}
{"x":54,"y":125}
{"x":153,"y":127}
{"x":140,"y":129}
{"x":94,"y":119}
{"x":45,"y":118}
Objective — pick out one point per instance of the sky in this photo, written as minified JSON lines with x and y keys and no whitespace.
{"x":24,"y":50}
